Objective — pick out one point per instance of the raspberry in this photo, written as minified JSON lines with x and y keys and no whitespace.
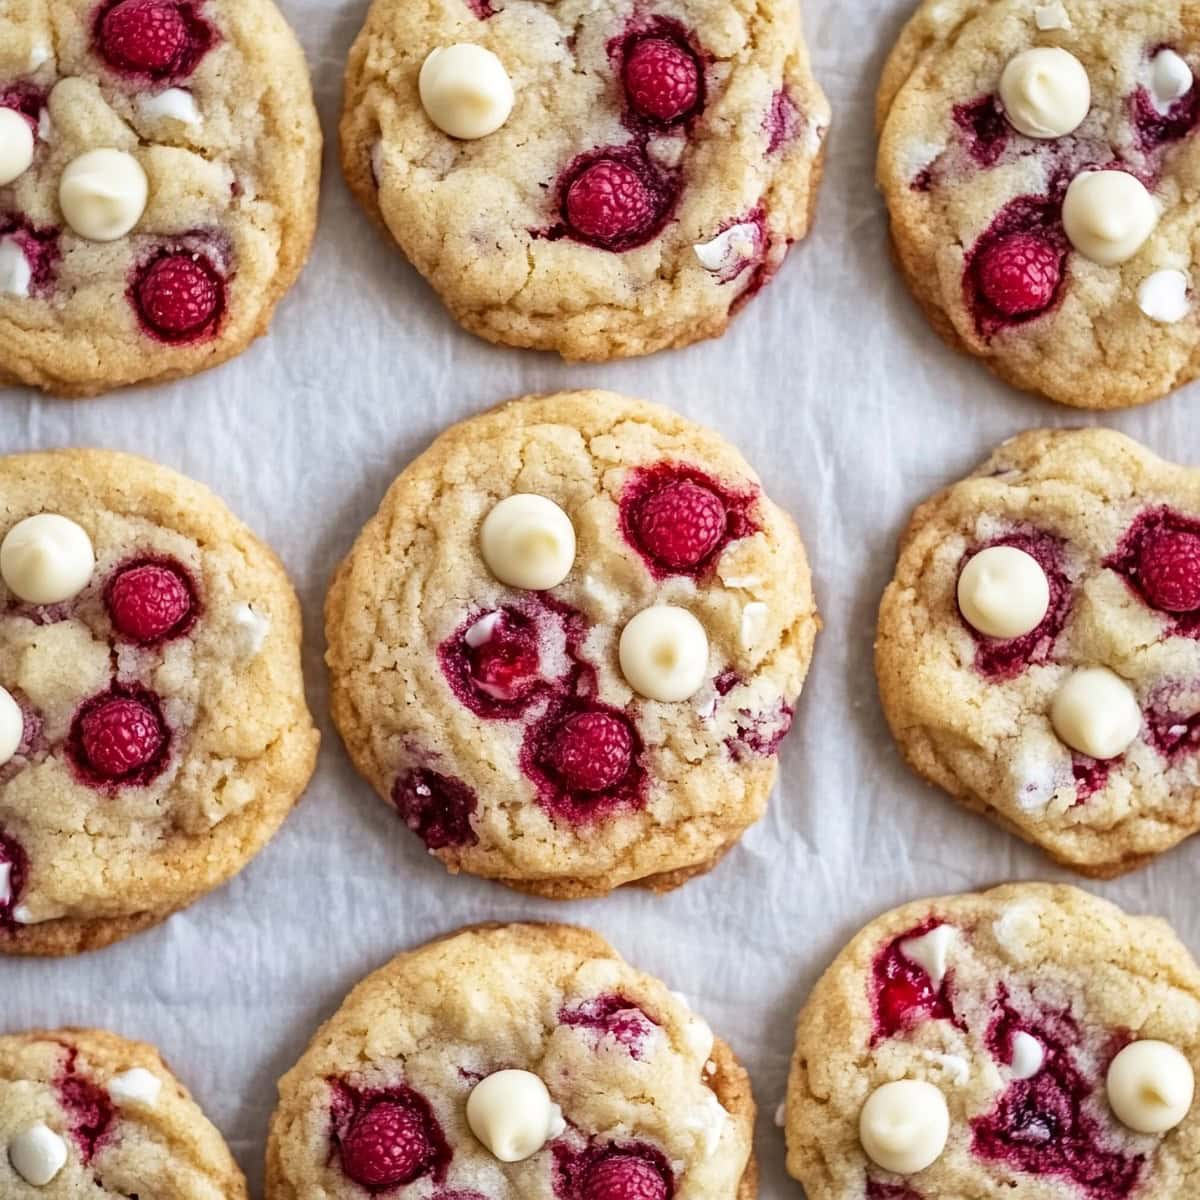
{"x":436,"y":808}
{"x":680,"y":525}
{"x":591,"y":751}
{"x":625,"y":1177}
{"x":1168,"y":566}
{"x":662,"y":79}
{"x":148,"y":602}
{"x":506,"y":667}
{"x":179,"y":297}
{"x":609,"y":205}
{"x":386,"y":1145}
{"x":116,"y":737}
{"x":1019,"y":274}
{"x":12,"y":880}
{"x":144,"y":35}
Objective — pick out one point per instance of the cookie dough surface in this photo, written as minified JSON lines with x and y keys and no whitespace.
{"x":488,"y":223}
{"x":91,"y":858}
{"x":451,"y":690}
{"x":637,"y":1075}
{"x":1073,"y":974}
{"x":225,"y":130}
{"x":973,"y":714}
{"x":959,"y":178}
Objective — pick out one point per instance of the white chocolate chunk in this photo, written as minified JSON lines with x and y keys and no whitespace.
{"x":16,"y":274}
{"x":1045,"y":92}
{"x":1150,"y":1086}
{"x":481,"y":632}
{"x":1028,"y":1054}
{"x":12,"y":726}
{"x":1017,"y":926}
{"x":1051,"y":16}
{"x":39,"y":55}
{"x":1003,"y":592}
{"x":512,"y":1114}
{"x":957,"y":1069}
{"x":1163,"y":296}
{"x":528,"y":542}
{"x":664,"y":653}
{"x":931,"y":952}
{"x":1095,"y":712}
{"x":5,"y":883}
{"x":37,"y":1154}
{"x":46,"y":559}
{"x":729,"y":248}
{"x":1108,"y":215}
{"x":465,"y":90}
{"x":708,"y":1121}
{"x":173,"y":104}
{"x":904,"y":1125}
{"x":103,"y":194}
{"x":16,"y":145}
{"x":136,"y":1086}
{"x":252,"y":629}
{"x":1170,"y":79}
{"x":755,"y":618}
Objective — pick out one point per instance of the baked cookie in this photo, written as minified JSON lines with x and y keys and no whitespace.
{"x":1027,"y":1043}
{"x":1039,"y":165}
{"x":567,"y":647}
{"x":601,"y":179}
{"x":84,"y":1113}
{"x":159,"y":167}
{"x":1037,"y":651}
{"x":153,"y":729}
{"x":514,"y":1061}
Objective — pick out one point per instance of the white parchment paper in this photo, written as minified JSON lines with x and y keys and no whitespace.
{"x":835,"y":388}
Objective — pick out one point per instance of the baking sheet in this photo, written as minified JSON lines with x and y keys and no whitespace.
{"x":852,"y":411}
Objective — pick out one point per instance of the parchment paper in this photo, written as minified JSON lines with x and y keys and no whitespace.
{"x":851,"y":409}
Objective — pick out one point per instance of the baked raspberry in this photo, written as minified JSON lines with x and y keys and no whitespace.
{"x":615,"y":1017}
{"x":625,"y":1177}
{"x":150,"y":600}
{"x":1157,"y":129}
{"x":1173,"y":734}
{"x":437,"y":808}
{"x":26,"y":98}
{"x":1019,"y":275}
{"x":760,"y":734}
{"x":614,"y":199}
{"x":14,"y":869}
{"x":493,"y":662}
{"x":179,"y":296}
{"x":89,"y":1110}
{"x":119,"y":737}
{"x":1169,"y":569}
{"x":782,"y":122}
{"x":662,"y":77}
{"x":889,"y":1191}
{"x":1090,"y":775}
{"x":41,"y":248}
{"x":391,"y":1139}
{"x":592,"y":751}
{"x":904,"y":993}
{"x":157,"y":38}
{"x":985,"y":129}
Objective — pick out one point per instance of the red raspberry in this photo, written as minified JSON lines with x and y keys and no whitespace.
{"x":148,"y":602}
{"x":144,"y":35}
{"x":386,"y":1145}
{"x":662,"y":79}
{"x":592,"y":751}
{"x":120,"y":736}
{"x":625,"y":1177}
{"x":1019,"y":274}
{"x":609,"y":204}
{"x":179,"y":296}
{"x":507,"y":666}
{"x":680,"y":525}
{"x":1169,"y":569}
{"x":437,"y":808}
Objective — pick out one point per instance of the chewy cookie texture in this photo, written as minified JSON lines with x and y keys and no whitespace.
{"x":1039,"y":162}
{"x":159,"y":168}
{"x":153,"y":728}
{"x":514,"y":1061}
{"x":1027,"y":1043}
{"x":1037,"y":650}
{"x":601,"y":179}
{"x":567,"y":647}
{"x":85,"y":1113}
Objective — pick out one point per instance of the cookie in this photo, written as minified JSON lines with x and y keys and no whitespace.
{"x":1037,"y":650}
{"x":1027,"y":1043}
{"x":159,"y":168}
{"x":1039,"y":162}
{"x":601,"y":179}
{"x":86,"y":1113}
{"x":514,"y":1060}
{"x":568,"y":645}
{"x":153,"y":728}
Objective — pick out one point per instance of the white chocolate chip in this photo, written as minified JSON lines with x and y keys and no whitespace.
{"x":136,"y":1086}
{"x":1017,"y":926}
{"x":512,"y":1114}
{"x":12,"y":726}
{"x":754,"y":624}
{"x":1170,"y":79}
{"x":103,"y":194}
{"x":1051,"y":16}
{"x":729,"y":248}
{"x":1045,"y":92}
{"x":46,"y":559}
{"x":23,"y":915}
{"x":956,"y":1068}
{"x":16,"y":145}
{"x":1163,"y":296}
{"x":708,"y":1121}
{"x":37,"y":1154}
{"x":528,"y":542}
{"x":1003,"y":592}
{"x":39,"y":55}
{"x":252,"y":630}
{"x":664,"y":653}
{"x":15,"y":272}
{"x":465,"y":90}
{"x":1028,"y":1054}
{"x":1108,"y":215}
{"x":45,"y":128}
{"x":1150,"y":1086}
{"x":1095,"y":712}
{"x":173,"y":104}
{"x":931,"y":952}
{"x":904,"y":1125}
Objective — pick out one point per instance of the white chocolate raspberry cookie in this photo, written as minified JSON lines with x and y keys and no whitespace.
{"x":514,"y":1061}
{"x":601,"y":179}
{"x":159,"y":166}
{"x":1039,"y":163}
{"x":1038,"y":649}
{"x":568,"y":645}
{"x":86,"y":1114}
{"x":153,"y":728}
{"x":1027,"y":1043}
